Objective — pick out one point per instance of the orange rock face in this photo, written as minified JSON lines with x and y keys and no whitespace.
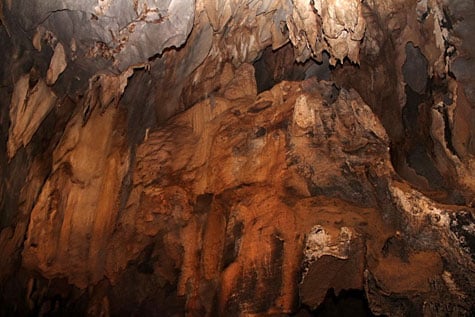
{"x":244,"y":204}
{"x":243,"y":182}
{"x":237,"y":158}
{"x":76,"y":211}
{"x":247,"y":206}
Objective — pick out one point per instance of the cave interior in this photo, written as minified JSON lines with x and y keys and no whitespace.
{"x":237,"y":158}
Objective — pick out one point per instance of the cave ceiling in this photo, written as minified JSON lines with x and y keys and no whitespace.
{"x":236,"y":157}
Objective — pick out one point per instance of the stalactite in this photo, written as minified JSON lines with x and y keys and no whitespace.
{"x":237,"y":158}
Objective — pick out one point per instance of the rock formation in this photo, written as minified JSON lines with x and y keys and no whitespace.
{"x":237,"y":158}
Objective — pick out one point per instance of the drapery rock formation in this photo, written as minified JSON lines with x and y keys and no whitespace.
{"x":237,"y":158}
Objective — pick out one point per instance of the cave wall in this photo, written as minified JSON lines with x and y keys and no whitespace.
{"x":236,"y":157}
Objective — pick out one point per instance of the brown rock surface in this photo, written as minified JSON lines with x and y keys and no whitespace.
{"x":237,"y":158}
{"x":229,"y":191}
{"x":78,"y":200}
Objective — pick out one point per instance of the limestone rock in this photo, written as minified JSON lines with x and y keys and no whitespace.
{"x":238,"y":199}
{"x":57,"y":66}
{"x":236,"y":157}
{"x":78,"y":202}
{"x":117,"y":30}
{"x":29,"y":106}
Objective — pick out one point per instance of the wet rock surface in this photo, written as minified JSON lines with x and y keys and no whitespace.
{"x":236,"y":158}
{"x":248,"y":205}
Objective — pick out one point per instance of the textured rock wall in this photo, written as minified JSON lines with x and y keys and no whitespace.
{"x":409,"y":59}
{"x":145,"y":171}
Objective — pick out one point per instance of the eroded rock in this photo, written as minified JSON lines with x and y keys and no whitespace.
{"x":145,"y":166}
{"x":29,"y":106}
{"x":235,"y":201}
{"x":78,"y":202}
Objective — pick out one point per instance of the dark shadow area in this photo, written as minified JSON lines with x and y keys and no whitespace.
{"x":278,"y":65}
{"x":347,"y":303}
